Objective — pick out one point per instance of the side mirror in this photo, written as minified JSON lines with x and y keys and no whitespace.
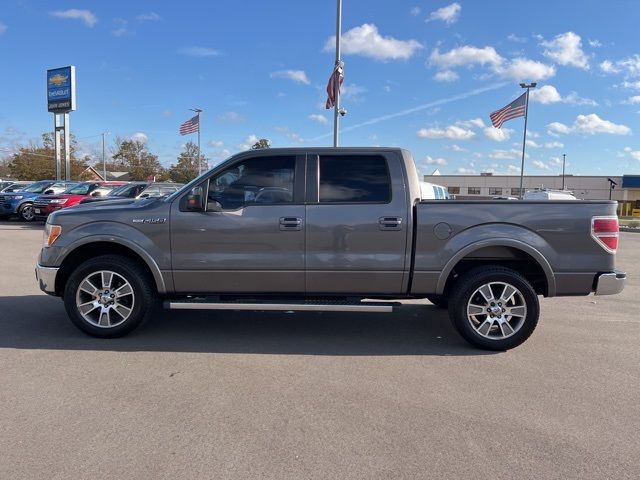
{"x":144,"y":195}
{"x":95,"y":194}
{"x":195,"y":200}
{"x":49,"y":192}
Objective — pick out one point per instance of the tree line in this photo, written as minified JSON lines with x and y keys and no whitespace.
{"x":36,"y":161}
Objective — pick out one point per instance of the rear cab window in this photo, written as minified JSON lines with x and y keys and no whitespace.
{"x":354,"y":179}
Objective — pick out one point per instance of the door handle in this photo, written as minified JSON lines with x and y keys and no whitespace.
{"x":290,"y":223}
{"x":390,"y":223}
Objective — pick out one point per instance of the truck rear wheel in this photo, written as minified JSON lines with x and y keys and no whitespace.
{"x":109,"y":296}
{"x":494,"y":308}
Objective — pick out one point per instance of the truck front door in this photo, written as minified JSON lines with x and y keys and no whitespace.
{"x":254,"y":242}
{"x":356,"y":224}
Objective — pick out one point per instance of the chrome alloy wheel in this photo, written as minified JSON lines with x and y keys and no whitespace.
{"x":105,"y":299}
{"x":27,"y":213}
{"x":496,"y":310}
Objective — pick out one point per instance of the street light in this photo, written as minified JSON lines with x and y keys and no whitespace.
{"x":524,"y":136}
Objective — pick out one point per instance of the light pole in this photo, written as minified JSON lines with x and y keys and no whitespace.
{"x":198,"y":111}
{"x":564,"y":157}
{"x":524,"y":137}
{"x":104,"y":158}
{"x":338,"y":66}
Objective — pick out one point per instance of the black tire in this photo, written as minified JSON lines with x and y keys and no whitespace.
{"x":466,"y":290}
{"x":26,"y":213}
{"x":439,"y":301}
{"x":144,"y":295}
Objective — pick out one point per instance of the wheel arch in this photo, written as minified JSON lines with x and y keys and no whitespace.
{"x":503,"y":251}
{"x":95,"y":247}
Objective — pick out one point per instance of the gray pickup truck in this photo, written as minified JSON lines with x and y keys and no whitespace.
{"x":326,"y":229}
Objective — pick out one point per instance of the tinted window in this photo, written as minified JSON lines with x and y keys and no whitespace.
{"x":354,"y":179}
{"x":262,"y":180}
{"x":36,"y":187}
{"x":473,"y":190}
{"x":495,"y":191}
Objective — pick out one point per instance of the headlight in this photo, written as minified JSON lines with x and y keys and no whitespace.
{"x":18,"y":197}
{"x":59,"y":200}
{"x":51,"y":233}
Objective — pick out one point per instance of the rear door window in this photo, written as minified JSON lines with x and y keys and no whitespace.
{"x":354,"y":179}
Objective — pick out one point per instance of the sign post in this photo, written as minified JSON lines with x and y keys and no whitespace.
{"x":61,"y":99}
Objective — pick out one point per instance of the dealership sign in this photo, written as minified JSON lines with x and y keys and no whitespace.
{"x":61,"y":89}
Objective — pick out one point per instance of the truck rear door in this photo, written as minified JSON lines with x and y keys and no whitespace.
{"x":356,"y":214}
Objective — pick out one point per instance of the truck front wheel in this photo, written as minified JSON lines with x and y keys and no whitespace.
{"x":494,"y":308}
{"x":109,"y":296}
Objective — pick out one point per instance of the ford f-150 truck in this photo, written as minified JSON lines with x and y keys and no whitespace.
{"x":326,"y":229}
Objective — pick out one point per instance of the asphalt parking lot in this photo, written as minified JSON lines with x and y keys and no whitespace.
{"x":327,"y":396}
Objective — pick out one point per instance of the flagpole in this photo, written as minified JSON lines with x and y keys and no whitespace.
{"x":336,"y":86}
{"x":524,"y":136}
{"x":198,"y":110}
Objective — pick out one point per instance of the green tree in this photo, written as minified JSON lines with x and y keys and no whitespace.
{"x":187,"y":167}
{"x":262,"y":143}
{"x":37,"y":160}
{"x":134,"y":157}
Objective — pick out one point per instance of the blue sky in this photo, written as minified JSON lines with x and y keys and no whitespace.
{"x":423,"y":75}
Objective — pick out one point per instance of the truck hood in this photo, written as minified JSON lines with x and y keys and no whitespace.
{"x":111,"y":210}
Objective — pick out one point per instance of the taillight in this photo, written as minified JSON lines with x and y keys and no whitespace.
{"x":604,"y":230}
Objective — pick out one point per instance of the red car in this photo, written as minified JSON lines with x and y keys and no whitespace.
{"x":44,"y":205}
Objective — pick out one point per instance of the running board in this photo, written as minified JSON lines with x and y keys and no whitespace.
{"x":298,"y":307}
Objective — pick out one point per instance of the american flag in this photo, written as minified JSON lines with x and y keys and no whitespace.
{"x":190,"y":126}
{"x":331,"y":86}
{"x":515,"y":109}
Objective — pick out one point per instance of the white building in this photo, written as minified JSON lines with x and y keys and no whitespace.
{"x":487,"y":185}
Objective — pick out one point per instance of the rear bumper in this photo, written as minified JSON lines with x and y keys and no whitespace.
{"x":610,"y":283}
{"x":46,"y":277}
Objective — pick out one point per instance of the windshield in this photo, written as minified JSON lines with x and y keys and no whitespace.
{"x":126,"y":190}
{"x":37,"y":187}
{"x":82,"y":189}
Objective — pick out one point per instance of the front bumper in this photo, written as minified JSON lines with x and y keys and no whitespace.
{"x":610,"y":283}
{"x":46,"y":277}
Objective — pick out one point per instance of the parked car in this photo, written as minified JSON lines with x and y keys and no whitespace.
{"x":137,"y":190}
{"x":546,"y":194}
{"x":314,"y":229}
{"x":20,"y":203}
{"x":13,"y":186}
{"x":46,"y":204}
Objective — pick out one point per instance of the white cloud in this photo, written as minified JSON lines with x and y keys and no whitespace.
{"x":566,"y":49}
{"x":121,"y":27}
{"x":3,"y":28}
{"x":434,"y":161}
{"x":632,"y":85}
{"x":457,"y":148}
{"x":148,"y":17}
{"x":588,"y":125}
{"x":465,"y":171}
{"x":498,"y":134}
{"x":635,"y":100}
{"x":514,"y":38}
{"x":215,"y":143}
{"x":452,"y":132}
{"x":415,"y":11}
{"x":553,"y":144}
{"x":85,"y":16}
{"x":635,"y":154}
{"x":231,"y":117}
{"x":539,"y":164}
{"x":512,"y":154}
{"x":298,"y":76}
{"x":523,"y":69}
{"x":351,"y":91}
{"x":474,"y":122}
{"x":199,"y":52}
{"x":629,"y":66}
{"x":139,"y":137}
{"x":466,"y":55}
{"x":549,"y":94}
{"x":446,"y":76}
{"x":513,"y":169}
{"x":318,"y":118}
{"x":448,"y":14}
{"x":595,"y":43}
{"x":248,"y":142}
{"x":533,"y":144}
{"x":365,"y":40}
